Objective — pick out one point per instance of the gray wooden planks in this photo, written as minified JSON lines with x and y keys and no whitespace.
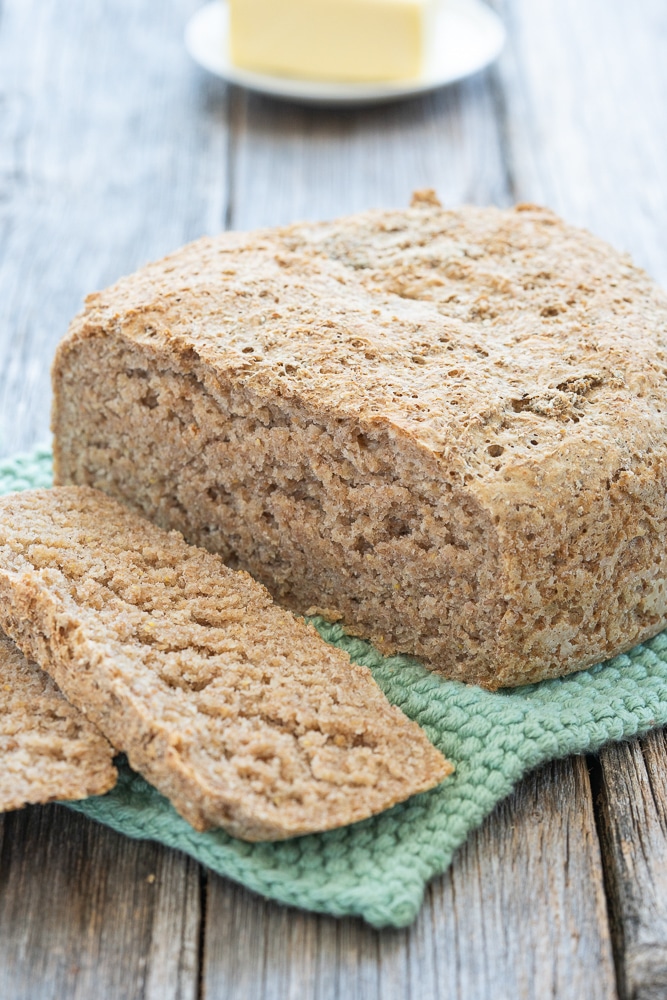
{"x":289,"y":162}
{"x":85,"y":912}
{"x":633,"y":822}
{"x":585,"y":87}
{"x":530,"y":906}
{"x":521,"y":913}
{"x":112,"y":152}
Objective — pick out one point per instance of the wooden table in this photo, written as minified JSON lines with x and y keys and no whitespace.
{"x":115,"y":149}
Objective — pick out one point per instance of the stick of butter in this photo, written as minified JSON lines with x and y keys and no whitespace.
{"x":342,"y":40}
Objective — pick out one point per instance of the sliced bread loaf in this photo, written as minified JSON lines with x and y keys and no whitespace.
{"x":232,"y":707}
{"x":444,"y":428}
{"x":48,"y":749}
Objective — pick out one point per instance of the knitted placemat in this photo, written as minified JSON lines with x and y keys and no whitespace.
{"x":378,"y":868}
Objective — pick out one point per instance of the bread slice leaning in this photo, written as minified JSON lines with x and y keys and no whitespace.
{"x":48,"y":749}
{"x":232,"y":707}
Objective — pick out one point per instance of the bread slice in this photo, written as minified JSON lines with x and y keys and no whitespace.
{"x":236,"y":710}
{"x":444,"y":428}
{"x":48,"y":749}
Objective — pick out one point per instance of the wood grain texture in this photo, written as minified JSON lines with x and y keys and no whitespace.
{"x":85,"y":912}
{"x":521,"y":913}
{"x":289,"y":162}
{"x":584,"y":88}
{"x":633,"y":823}
{"x":112,"y":152}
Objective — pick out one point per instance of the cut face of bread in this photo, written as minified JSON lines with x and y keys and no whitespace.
{"x":444,"y":428}
{"x":236,"y":710}
{"x":48,"y":749}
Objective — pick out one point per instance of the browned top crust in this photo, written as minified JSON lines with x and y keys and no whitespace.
{"x":231,"y":706}
{"x":505,"y":344}
{"x":511,"y":362}
{"x":48,"y":749}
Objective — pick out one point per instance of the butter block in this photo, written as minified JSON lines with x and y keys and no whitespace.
{"x":337,"y":40}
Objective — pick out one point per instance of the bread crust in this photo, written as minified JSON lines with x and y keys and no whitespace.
{"x":444,"y":428}
{"x":233,"y":708}
{"x":48,"y":749}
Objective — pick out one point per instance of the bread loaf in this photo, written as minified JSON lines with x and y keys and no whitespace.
{"x":236,"y":710}
{"x":48,"y":749}
{"x":445,"y":429}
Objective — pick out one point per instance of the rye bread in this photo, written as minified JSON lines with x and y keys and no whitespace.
{"x":444,"y":428}
{"x":232,"y":707}
{"x":48,"y":749}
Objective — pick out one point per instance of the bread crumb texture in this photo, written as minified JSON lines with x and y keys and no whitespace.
{"x":232,"y":707}
{"x":48,"y":749}
{"x":446,"y":429}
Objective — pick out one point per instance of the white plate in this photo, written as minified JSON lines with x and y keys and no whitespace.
{"x":468,"y":37}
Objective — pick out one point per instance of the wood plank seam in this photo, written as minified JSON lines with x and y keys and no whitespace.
{"x":201,"y":943}
{"x":594,"y":769}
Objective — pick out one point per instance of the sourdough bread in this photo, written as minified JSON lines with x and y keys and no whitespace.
{"x":445,"y":429}
{"x":236,"y":710}
{"x":48,"y":749}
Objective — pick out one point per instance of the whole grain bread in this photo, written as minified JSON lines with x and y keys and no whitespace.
{"x":444,"y":428}
{"x":232,"y":707}
{"x":48,"y":749}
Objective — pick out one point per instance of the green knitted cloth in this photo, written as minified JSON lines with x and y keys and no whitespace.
{"x":378,"y":868}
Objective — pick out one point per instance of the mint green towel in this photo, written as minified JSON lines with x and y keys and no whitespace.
{"x":378,"y":868}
